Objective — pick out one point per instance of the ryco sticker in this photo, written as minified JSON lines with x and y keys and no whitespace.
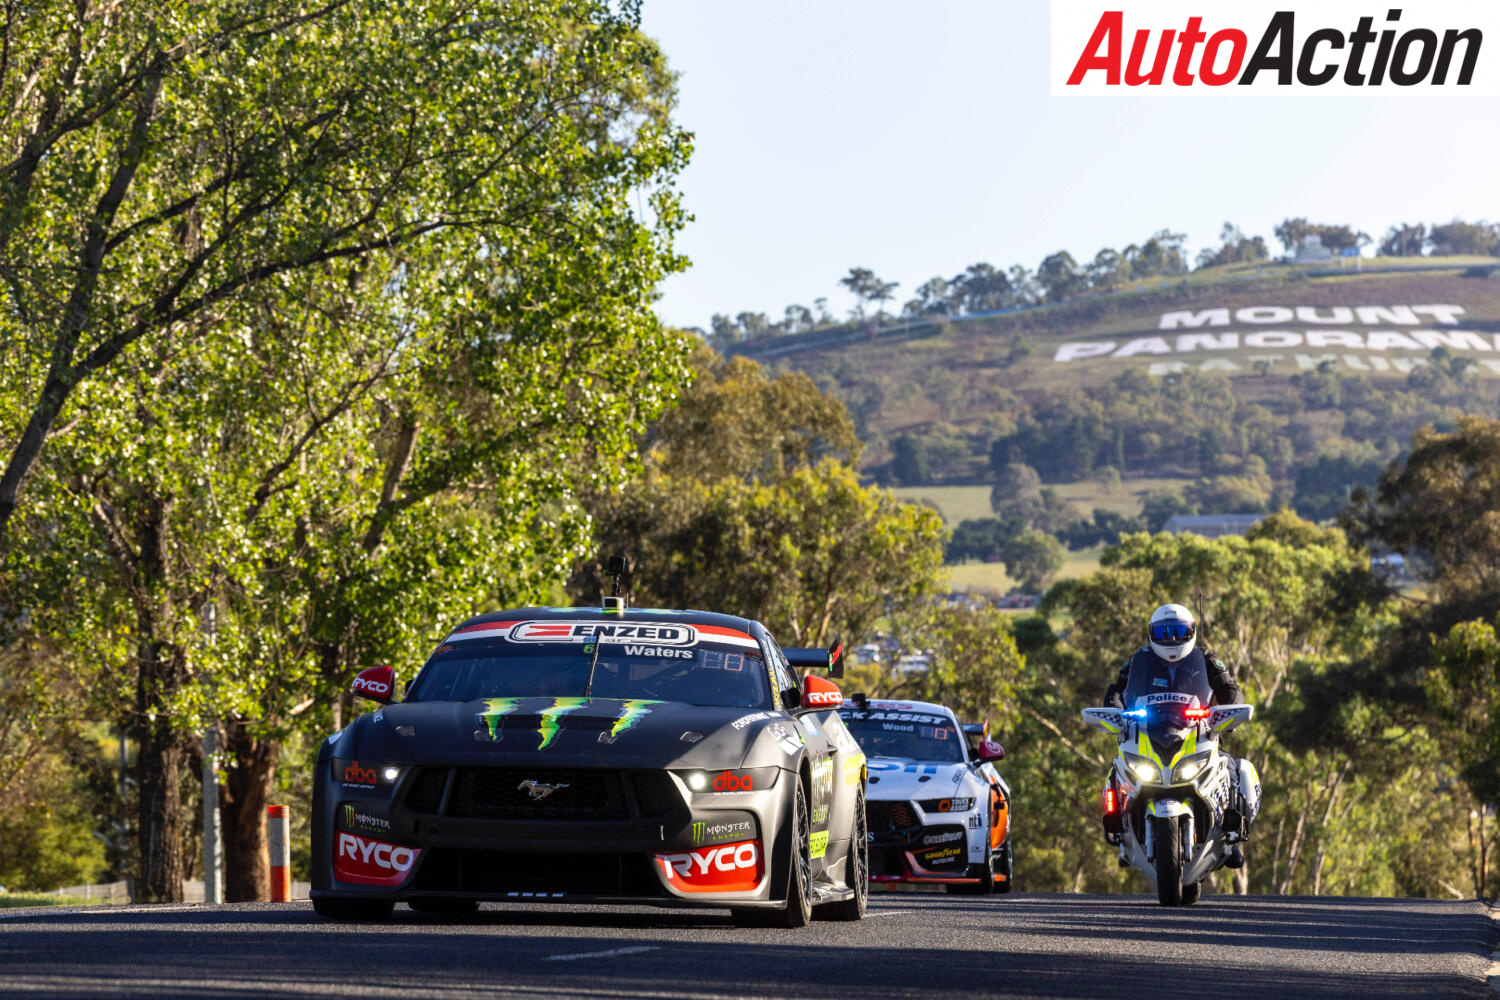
{"x":372,"y":862}
{"x":730,"y":868}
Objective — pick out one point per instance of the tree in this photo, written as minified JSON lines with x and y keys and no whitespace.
{"x":1017,"y":481}
{"x":1060,"y":277}
{"x":1293,"y":233}
{"x":1108,"y":478}
{"x":453,"y":244}
{"x":975,"y":663}
{"x":1439,"y":504}
{"x":742,"y":507}
{"x":1235,"y":247}
{"x":909,"y":460}
{"x":867,"y":287}
{"x":188,"y":160}
{"x":1032,"y":558}
{"x":1464,"y":238}
{"x":1404,"y":240}
{"x":1108,"y":270}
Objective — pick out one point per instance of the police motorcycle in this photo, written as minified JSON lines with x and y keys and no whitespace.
{"x":1176,"y":804}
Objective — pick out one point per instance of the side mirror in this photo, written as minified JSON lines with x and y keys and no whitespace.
{"x":820,"y":692}
{"x":375,"y":683}
{"x":990,"y":750}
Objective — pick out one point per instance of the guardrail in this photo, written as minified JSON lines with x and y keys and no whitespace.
{"x":119,"y":892}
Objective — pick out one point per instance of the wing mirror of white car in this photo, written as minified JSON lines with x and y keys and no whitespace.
{"x":990,"y":750}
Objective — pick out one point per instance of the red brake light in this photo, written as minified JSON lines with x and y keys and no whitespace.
{"x":1195,"y":713}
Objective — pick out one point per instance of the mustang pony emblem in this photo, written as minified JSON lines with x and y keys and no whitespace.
{"x":539,"y":790}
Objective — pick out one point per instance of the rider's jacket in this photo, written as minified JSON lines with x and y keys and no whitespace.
{"x":1145,"y":672}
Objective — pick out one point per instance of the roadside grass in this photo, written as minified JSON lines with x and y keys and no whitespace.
{"x":12,"y":900}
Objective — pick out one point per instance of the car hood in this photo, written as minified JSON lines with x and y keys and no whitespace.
{"x":586,"y":732}
{"x":903,"y":778}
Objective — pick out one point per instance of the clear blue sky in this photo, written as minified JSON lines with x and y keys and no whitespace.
{"x":918,"y":138}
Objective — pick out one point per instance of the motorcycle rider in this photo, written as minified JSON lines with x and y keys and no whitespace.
{"x":1173,"y":646}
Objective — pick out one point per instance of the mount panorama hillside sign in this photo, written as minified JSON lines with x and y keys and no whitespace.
{"x":1362,"y":336}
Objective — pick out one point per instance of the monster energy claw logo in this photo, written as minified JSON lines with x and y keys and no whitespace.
{"x":700,"y":830}
{"x":494,"y":710}
{"x":348,"y":815}
{"x":551,"y":718}
{"x":631,"y":712}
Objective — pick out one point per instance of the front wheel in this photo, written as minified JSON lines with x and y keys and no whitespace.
{"x":1168,"y":837}
{"x":798,"y":912}
{"x":1003,"y":867}
{"x":857,"y":870}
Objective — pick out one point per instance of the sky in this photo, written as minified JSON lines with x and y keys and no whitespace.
{"x":918,"y":138}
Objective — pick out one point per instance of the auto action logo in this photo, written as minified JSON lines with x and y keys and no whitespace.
{"x":569,"y":631}
{"x":372,"y":862}
{"x":731,"y":868}
{"x":1189,"y":47}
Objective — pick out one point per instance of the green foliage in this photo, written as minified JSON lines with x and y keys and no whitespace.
{"x":743,"y":507}
{"x":1033,"y":558}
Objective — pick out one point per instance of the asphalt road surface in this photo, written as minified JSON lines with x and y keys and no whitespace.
{"x":922,"y":946}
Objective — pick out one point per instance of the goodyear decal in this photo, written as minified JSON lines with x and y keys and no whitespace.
{"x":630,"y":713}
{"x":819,"y":843}
{"x":494,"y":710}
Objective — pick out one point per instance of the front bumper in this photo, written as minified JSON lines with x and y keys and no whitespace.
{"x":909,"y":845}
{"x":461,"y":831}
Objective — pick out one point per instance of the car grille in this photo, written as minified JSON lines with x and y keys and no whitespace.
{"x":448,"y":869}
{"x":578,"y":794}
{"x":884,"y":817}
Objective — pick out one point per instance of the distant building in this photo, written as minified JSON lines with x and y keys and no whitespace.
{"x":1312,"y":251}
{"x":1211,"y":525}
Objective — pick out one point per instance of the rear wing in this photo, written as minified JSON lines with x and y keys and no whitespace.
{"x":814,"y":658}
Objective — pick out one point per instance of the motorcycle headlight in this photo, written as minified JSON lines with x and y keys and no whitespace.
{"x":1145,"y":770}
{"x":1189,"y":770}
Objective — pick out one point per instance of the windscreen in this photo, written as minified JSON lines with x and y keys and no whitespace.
{"x":1158,"y":694}
{"x":696,"y":670}
{"x":911,"y":735}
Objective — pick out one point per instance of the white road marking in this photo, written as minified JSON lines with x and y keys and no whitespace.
{"x":110,"y":908}
{"x":611,"y":953}
{"x":884,"y":913}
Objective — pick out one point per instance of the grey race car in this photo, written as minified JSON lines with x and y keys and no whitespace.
{"x":588,"y":754}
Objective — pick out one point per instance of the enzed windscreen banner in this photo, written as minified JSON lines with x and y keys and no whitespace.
{"x":1197,"y":48}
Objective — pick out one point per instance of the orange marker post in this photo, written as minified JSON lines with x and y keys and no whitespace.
{"x":279,"y":837}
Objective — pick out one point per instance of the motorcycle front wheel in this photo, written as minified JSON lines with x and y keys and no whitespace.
{"x":1168,"y":837}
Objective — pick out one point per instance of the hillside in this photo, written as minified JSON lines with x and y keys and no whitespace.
{"x":1236,"y":389}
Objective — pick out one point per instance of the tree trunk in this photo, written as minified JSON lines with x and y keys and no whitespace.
{"x":247,"y":792}
{"x":159,"y":777}
{"x":160,"y":670}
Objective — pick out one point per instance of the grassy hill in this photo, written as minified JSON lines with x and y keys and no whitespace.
{"x":1256,"y":373}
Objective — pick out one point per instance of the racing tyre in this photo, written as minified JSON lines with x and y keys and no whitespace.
{"x":444,"y":906}
{"x":858,"y":871}
{"x":1168,"y":836}
{"x":986,"y":884}
{"x":352,"y":909}
{"x":1191,"y":892}
{"x":1003,"y":867}
{"x":798,"y":912}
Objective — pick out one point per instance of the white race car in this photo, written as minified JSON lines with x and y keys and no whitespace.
{"x":938,"y":811}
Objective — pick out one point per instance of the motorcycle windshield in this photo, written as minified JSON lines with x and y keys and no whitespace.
{"x":1159,"y":697}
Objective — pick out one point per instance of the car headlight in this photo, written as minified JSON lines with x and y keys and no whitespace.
{"x":745,"y":779}
{"x":946,"y":805}
{"x":1145,"y":770}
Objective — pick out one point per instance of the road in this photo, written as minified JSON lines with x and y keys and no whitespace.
{"x":1023,"y":945}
